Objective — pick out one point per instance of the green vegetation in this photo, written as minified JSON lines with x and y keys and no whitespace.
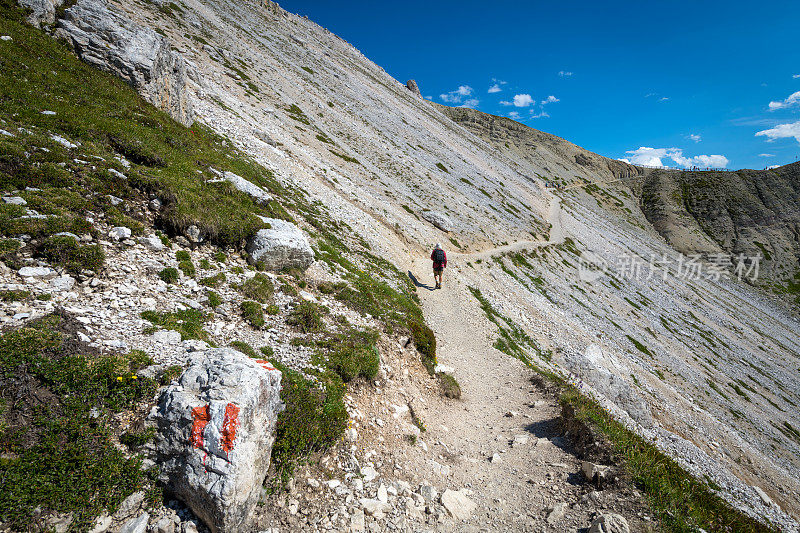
{"x":272,"y":310}
{"x":187,"y":267}
{"x":450,"y":387}
{"x":137,"y":438}
{"x":513,"y":339}
{"x":189,"y":322}
{"x":182,"y":255}
{"x":205,"y":264}
{"x":307,"y":316}
{"x":252,"y":313}
{"x":345,"y":157}
{"x":220,"y":257}
{"x":681,"y":502}
{"x":56,"y":456}
{"x":66,"y":251}
{"x":244,"y":348}
{"x":214,"y":299}
{"x":442,"y":168}
{"x":425,"y":342}
{"x":107,"y":117}
{"x":213,"y":281}
{"x":14,"y":295}
{"x":314,"y":419}
{"x":297,"y":114}
{"x":354,"y":355}
{"x":259,"y":288}
{"x":169,"y":275}
{"x":308,"y":69}
{"x":639,"y":346}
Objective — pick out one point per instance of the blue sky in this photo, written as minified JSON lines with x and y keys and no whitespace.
{"x":680,"y":83}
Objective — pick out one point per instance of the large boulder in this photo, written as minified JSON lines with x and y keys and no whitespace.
{"x":281,"y":246}
{"x":216,"y":428}
{"x":439,"y":220}
{"x":103,"y":36}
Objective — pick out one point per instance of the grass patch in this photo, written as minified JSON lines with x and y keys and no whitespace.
{"x":354,"y":355}
{"x":259,"y":288}
{"x":14,"y":295}
{"x":315,"y":418}
{"x":345,"y":157}
{"x":244,"y":348}
{"x":213,"y":281}
{"x":56,"y":456}
{"x":252,"y":313}
{"x":442,"y":168}
{"x":449,"y":385}
{"x":187,"y":267}
{"x":189,"y":322}
{"x":214,"y":299}
{"x":307,"y":316}
{"x":639,"y":346}
{"x":169,"y":275}
{"x":682,"y":502}
{"x":66,"y":251}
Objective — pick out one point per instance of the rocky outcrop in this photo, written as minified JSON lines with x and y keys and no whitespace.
{"x":103,"y":36}
{"x":439,"y":220}
{"x":413,"y":87}
{"x":281,"y":246}
{"x":215,"y":435}
{"x":750,"y":212}
{"x":609,"y":523}
{"x":43,"y":12}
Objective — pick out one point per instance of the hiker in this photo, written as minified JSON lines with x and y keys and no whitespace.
{"x":439,"y":259}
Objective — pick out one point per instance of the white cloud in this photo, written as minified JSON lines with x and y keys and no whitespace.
{"x":455,"y":97}
{"x":792,"y":99}
{"x":663,"y":99}
{"x":494,"y":89}
{"x":772,"y":166}
{"x":472,"y":103}
{"x":564,"y":73}
{"x":653,"y":157}
{"x":796,"y":76}
{"x":782,"y":131}
{"x":695,"y":137}
{"x":543,"y":114}
{"x":515,"y":115}
{"x":550,"y":100}
{"x":624,"y":160}
{"x":766,"y":155}
{"x":523,"y":100}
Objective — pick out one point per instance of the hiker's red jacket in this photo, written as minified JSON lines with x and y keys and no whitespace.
{"x":438,"y":264}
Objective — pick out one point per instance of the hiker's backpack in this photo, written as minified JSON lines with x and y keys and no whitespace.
{"x":438,"y":255}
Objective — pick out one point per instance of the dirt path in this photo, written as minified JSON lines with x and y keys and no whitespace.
{"x":502,"y":440}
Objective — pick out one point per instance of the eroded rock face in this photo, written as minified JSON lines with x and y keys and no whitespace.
{"x":281,"y":246}
{"x":105,"y":38}
{"x":215,"y":434}
{"x":439,"y":220}
{"x":413,"y":87}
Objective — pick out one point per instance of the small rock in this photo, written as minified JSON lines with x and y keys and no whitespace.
{"x":496,"y":458}
{"x":61,"y":140}
{"x":333,"y":483}
{"x":21,"y":316}
{"x":130,"y":505}
{"x":357,"y":521}
{"x":102,"y":524}
{"x":136,"y":525}
{"x":119,"y":233}
{"x":382,"y":494}
{"x":428,"y":493}
{"x":193,"y":234}
{"x":457,"y":504}
{"x":352,"y":434}
{"x":48,"y":112}
{"x":61,"y":284}
{"x":556,"y":513}
{"x":609,"y":523}
{"x":116,"y":173}
{"x":155,"y":204}
{"x":520,"y":440}
{"x":763,"y":495}
{"x":166,"y":336}
{"x":165,"y":525}
{"x":368,"y":473}
{"x":313,"y":483}
{"x":14,"y":200}
{"x":5,"y":38}
{"x":152,"y":243}
{"x":115,"y":200}
{"x":374,"y":508}
{"x":37,"y":272}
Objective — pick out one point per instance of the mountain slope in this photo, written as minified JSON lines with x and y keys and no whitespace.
{"x":693,"y":365}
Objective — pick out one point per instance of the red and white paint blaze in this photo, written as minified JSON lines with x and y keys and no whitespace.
{"x":214,"y":427}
